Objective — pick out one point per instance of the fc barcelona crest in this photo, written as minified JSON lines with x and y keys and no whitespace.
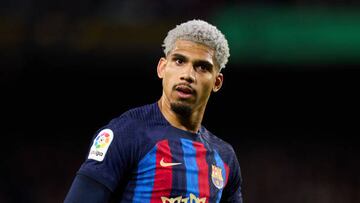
{"x":216,"y":176}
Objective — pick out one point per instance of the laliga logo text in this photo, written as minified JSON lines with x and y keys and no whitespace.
{"x":180,"y":199}
{"x":96,"y":153}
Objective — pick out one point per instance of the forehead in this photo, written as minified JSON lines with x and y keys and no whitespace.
{"x":193,"y":50}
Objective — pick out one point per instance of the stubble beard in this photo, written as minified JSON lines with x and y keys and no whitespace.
{"x":183,"y":110}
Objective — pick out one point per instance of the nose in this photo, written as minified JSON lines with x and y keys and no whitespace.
{"x":188,"y":74}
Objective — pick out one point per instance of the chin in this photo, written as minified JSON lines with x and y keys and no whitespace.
{"x":181,"y":108}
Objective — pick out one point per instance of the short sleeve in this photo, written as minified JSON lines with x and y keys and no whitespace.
{"x":232,"y":192}
{"x":111,"y":155}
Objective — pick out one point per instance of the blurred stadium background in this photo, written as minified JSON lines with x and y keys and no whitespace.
{"x":289,"y":104}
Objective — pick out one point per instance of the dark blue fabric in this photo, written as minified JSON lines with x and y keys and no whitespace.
{"x":87,"y":190}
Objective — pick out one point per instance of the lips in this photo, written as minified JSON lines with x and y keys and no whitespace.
{"x":184,"y":91}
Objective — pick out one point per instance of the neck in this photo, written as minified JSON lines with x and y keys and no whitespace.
{"x":191,"y":123}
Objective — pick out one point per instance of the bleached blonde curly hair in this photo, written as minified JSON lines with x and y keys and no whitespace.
{"x":201,"y":32}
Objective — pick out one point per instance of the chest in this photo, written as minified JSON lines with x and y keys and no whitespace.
{"x":179,"y":171}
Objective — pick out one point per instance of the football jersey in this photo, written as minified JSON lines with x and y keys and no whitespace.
{"x":142,"y":158}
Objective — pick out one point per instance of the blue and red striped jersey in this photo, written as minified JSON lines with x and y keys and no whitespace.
{"x":140,"y":157}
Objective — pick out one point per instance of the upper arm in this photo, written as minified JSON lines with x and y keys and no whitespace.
{"x":86,"y":190}
{"x":232,"y":191}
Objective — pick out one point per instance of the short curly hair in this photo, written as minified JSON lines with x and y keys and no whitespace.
{"x":201,"y":32}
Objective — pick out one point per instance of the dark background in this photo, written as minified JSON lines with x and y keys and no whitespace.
{"x":69,"y":67}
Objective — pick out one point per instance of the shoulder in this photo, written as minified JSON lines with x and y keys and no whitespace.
{"x":125,"y":129}
{"x":132,"y":127}
{"x":217,"y":142}
{"x":146,"y":115}
{"x":125,"y":134}
{"x":222,"y":147}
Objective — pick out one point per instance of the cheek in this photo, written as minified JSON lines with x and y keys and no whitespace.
{"x":167,"y":83}
{"x":208,"y":83}
{"x":207,"y":89}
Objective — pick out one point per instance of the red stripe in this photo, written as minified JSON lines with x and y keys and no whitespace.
{"x":163,"y":175}
{"x":227,"y":169}
{"x":203,"y":175}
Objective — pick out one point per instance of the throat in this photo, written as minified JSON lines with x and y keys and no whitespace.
{"x":186,"y":117}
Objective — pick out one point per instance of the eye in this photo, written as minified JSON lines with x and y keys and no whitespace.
{"x":202,"y":68}
{"x":179,"y":61}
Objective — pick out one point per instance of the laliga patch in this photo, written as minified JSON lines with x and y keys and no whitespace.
{"x":217,"y":177}
{"x":101,"y":145}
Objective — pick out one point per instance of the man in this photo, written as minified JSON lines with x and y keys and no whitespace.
{"x":160,"y":152}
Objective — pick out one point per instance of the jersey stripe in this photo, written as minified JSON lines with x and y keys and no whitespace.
{"x":145,"y":177}
{"x":227,"y":173}
{"x":220,"y":164}
{"x":203,"y":175}
{"x":163,"y":174}
{"x":179,"y":180}
{"x":191,"y":167}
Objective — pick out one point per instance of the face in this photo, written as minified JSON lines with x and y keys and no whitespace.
{"x":189,"y":74}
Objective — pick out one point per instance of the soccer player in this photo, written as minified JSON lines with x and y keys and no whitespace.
{"x":160,"y":152}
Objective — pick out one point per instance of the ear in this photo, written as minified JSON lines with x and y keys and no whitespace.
{"x":218,"y":82}
{"x":161,"y":67}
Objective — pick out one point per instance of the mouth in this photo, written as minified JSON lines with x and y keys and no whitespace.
{"x":184,"y":91}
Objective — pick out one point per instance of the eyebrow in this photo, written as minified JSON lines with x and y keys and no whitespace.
{"x":204,"y":63}
{"x":179,"y":56}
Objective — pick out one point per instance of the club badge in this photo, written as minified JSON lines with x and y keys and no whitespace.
{"x":216,"y":176}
